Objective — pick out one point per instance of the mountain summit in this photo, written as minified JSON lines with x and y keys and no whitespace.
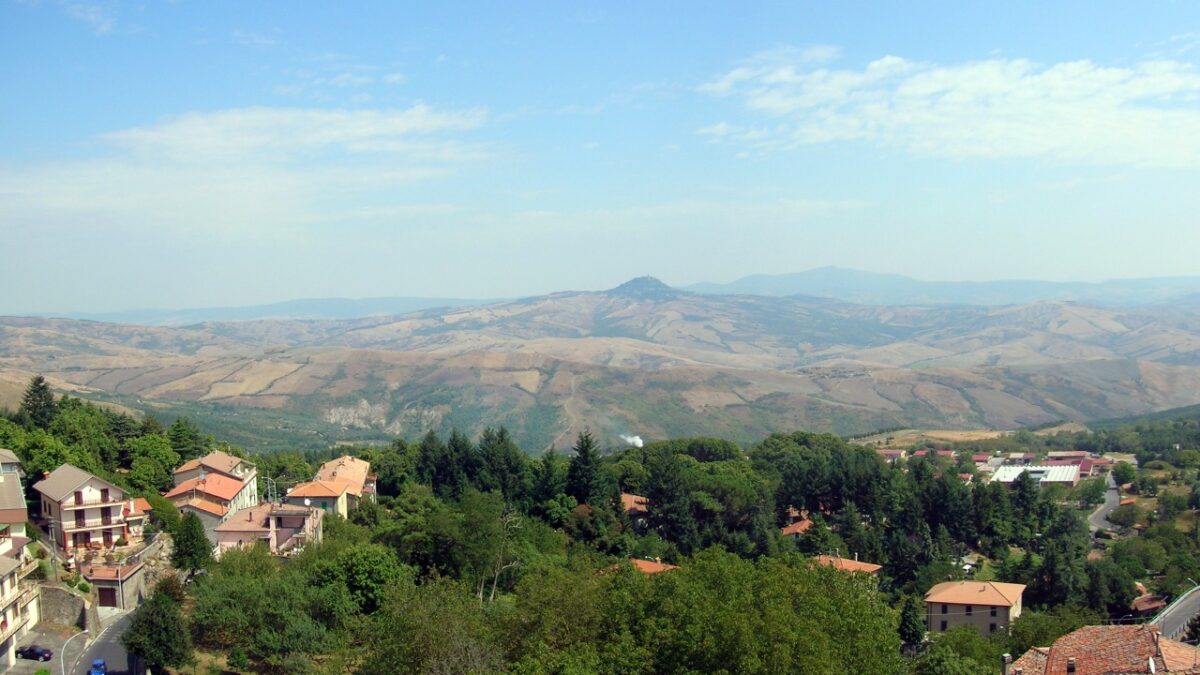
{"x":645,"y":288}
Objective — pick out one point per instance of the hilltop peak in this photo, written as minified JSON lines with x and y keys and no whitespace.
{"x":645,"y":288}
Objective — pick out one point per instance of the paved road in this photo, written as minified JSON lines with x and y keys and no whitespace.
{"x":43,"y":637}
{"x":1174,"y":620}
{"x":1112,"y":499}
{"x":108,"y":647}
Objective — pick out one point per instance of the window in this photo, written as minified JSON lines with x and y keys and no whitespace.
{"x":993,"y":611}
{"x":945,"y":608}
{"x":991,"y":628}
{"x":969,"y":608}
{"x":103,"y":494}
{"x":943,"y":625}
{"x":78,"y":497}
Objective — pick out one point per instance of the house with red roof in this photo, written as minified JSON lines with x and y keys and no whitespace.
{"x":230,"y":469}
{"x":987,"y":606}
{"x":331,"y":496}
{"x":1108,"y":650}
{"x":846,"y":565}
{"x":651,"y":566}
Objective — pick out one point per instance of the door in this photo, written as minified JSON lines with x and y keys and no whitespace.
{"x":108,"y":597}
{"x":108,"y":540}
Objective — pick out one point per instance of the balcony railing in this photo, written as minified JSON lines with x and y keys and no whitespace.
{"x":10,"y":628}
{"x":93,"y":524}
{"x":93,"y":503}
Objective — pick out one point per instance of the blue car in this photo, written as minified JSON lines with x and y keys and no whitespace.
{"x":99,"y":667}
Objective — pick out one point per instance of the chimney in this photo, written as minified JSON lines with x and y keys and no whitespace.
{"x":1005,"y":663}
{"x":1071,"y":665}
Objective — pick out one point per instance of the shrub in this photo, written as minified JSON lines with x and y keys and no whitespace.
{"x":121,"y":541}
{"x":39,"y":573}
{"x":237,"y":659}
{"x":84,"y":587}
{"x":171,"y":587}
{"x":33,"y":532}
{"x":39,"y":553}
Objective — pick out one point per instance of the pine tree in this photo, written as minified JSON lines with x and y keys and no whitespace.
{"x":584,"y":481}
{"x":192,"y":549}
{"x":670,"y":495}
{"x":187,"y":439}
{"x":912,"y":623}
{"x":38,"y":405}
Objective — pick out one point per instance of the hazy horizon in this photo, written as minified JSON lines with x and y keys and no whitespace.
{"x":219,"y":155}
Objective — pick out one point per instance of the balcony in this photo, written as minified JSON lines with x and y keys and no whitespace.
{"x":93,"y":524}
{"x":10,"y":628}
{"x":71,"y":505}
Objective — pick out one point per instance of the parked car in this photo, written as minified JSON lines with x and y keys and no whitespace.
{"x":34,"y":652}
{"x":99,"y":667}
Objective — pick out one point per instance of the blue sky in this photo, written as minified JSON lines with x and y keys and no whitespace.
{"x":198,"y":154}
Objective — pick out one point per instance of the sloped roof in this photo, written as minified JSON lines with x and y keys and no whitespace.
{"x":255,"y":519}
{"x":8,"y":457}
{"x":650,"y":566}
{"x":11,"y":494}
{"x":1101,"y":650}
{"x":634,"y":503}
{"x":205,"y":506}
{"x":350,"y":469}
{"x":66,"y":479}
{"x":847,"y":565}
{"x":319,"y":488}
{"x":798,"y":527}
{"x":986,"y":593}
{"x":221,"y":462}
{"x":139,"y":507}
{"x":214,"y":485}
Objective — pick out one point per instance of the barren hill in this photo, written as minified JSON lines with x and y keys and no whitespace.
{"x":641,"y":358}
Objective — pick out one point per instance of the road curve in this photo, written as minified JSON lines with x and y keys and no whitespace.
{"x":1174,"y":619}
{"x":108,"y":647}
{"x":1098,"y":520}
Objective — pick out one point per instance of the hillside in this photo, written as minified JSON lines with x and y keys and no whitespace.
{"x":641,"y":358}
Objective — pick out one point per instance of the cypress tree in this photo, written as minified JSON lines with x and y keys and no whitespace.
{"x":583,"y":473}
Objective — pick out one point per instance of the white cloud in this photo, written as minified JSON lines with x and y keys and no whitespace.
{"x":250,"y":173}
{"x":99,"y":18}
{"x":394,"y":78}
{"x":272,"y":134}
{"x":1076,"y":111}
{"x":256,"y":39}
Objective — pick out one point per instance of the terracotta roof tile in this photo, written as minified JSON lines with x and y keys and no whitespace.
{"x":632,"y":503}
{"x":650,"y":566}
{"x":986,"y":593}
{"x":319,"y":488}
{"x":353,"y":470}
{"x":847,"y":565}
{"x":206,"y":506}
{"x":1105,"y":650}
{"x":216,"y":485}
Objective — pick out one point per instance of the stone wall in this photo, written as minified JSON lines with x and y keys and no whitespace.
{"x":62,"y":607}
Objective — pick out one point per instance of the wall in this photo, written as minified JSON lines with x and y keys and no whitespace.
{"x":980,"y":618}
{"x":62,"y":606}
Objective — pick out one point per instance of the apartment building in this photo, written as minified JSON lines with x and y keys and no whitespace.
{"x":988,"y":606}
{"x":81,"y":510}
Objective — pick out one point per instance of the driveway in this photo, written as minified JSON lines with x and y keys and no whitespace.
{"x":43,"y":635}
{"x":108,"y":647}
{"x":1098,"y":520}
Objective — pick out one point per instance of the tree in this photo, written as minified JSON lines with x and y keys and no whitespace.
{"x":1123,"y":472}
{"x":502,"y":465}
{"x":38,"y":405}
{"x":1091,"y":492}
{"x":670,"y":495}
{"x":1193,"y":630}
{"x":192,"y":549}
{"x":912,"y":622}
{"x":158,"y":634}
{"x":584,"y":478}
{"x":364,"y":572}
{"x":186,"y":439}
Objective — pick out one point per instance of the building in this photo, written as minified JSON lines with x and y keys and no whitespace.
{"x":1078,"y":455}
{"x":81,"y":510}
{"x":283,"y":528}
{"x":892,"y":456}
{"x":360,"y":482}
{"x":847,"y":565}
{"x":651,"y":566}
{"x":635,"y":506}
{"x":13,"y":511}
{"x":1021,"y":458}
{"x":223,"y":469}
{"x":120,"y":586}
{"x":9,"y":462}
{"x":329,"y":496}
{"x":1104,"y":650}
{"x":798,"y":524}
{"x":941,"y":454}
{"x":988,"y":606}
{"x":20,"y":607}
{"x":136,"y":512}
{"x":1043,"y":476}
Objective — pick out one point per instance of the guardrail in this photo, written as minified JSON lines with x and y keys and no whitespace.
{"x":1167,"y":610}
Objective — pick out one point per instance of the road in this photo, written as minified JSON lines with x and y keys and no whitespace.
{"x":109,"y":648}
{"x":1112,"y":499}
{"x":1174,"y":619}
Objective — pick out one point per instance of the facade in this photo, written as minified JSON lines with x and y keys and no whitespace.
{"x":13,"y":512}
{"x":360,"y":482}
{"x":136,"y":512}
{"x":1104,"y":650}
{"x":1043,"y":475}
{"x":81,"y":510}
{"x":9,"y":462}
{"x":120,"y":586}
{"x":226,"y":469}
{"x":20,"y":608}
{"x":987,"y":606}
{"x":283,"y":528}
{"x":892,"y":456}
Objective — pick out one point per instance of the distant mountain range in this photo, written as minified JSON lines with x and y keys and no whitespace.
{"x":871,"y":288}
{"x":640,"y":359}
{"x":867,"y":288}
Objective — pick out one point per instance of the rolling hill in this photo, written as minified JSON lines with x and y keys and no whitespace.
{"x":641,"y":358}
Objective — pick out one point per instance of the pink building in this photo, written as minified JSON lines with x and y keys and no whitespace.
{"x":282,"y":527}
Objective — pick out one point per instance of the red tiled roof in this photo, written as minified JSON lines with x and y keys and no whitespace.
{"x":353,"y":470}
{"x":798,"y":527}
{"x":110,"y":573}
{"x":1147,"y":603}
{"x":214,"y":484}
{"x":140,"y":507}
{"x":847,"y":565}
{"x":319,"y":488}
{"x":221,"y":462}
{"x":980,"y":458}
{"x":986,"y":593}
{"x":204,"y":505}
{"x":1105,"y":650}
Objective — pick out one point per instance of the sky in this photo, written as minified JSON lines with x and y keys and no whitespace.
{"x":188,"y":154}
